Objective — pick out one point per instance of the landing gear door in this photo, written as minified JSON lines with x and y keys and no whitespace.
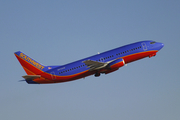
{"x":144,"y":46}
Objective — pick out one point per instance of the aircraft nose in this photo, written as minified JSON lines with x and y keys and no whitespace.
{"x":160,"y":45}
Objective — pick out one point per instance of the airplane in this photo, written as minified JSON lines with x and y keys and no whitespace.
{"x":101,"y":63}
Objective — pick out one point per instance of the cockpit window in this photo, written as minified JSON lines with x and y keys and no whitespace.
{"x":152,"y":42}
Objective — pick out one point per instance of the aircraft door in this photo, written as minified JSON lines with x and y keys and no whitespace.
{"x":144,"y":46}
{"x":53,"y":75}
{"x":101,"y":59}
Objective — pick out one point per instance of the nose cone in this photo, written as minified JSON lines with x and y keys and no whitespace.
{"x":160,"y":46}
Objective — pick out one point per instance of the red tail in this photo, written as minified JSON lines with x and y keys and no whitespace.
{"x":30,"y":66}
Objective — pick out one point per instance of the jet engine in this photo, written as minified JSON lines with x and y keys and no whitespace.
{"x":115,"y":65}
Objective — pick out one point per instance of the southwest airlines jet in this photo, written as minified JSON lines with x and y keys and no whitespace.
{"x":102,"y":63}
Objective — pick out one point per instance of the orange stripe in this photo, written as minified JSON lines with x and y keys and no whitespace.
{"x":48,"y":76}
{"x":28,"y":65}
{"x":137,"y":56}
{"x":28,"y":71}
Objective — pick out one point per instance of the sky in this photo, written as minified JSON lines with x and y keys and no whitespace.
{"x":59,"y":32}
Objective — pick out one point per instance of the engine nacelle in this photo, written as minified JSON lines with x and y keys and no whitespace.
{"x":115,"y":65}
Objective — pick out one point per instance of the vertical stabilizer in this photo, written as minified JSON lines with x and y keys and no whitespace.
{"x":30,"y":66}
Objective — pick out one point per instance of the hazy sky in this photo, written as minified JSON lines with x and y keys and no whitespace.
{"x":56,"y":33}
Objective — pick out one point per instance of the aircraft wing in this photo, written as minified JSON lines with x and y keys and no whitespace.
{"x":94,"y":65}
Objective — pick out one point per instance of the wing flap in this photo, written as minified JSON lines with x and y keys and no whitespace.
{"x":94,"y":65}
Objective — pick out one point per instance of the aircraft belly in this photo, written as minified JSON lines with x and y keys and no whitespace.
{"x":137,"y":56}
{"x":60,"y":79}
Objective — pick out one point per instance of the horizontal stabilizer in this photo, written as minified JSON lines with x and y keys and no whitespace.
{"x":31,"y":77}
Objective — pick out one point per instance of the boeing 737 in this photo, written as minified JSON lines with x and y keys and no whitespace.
{"x":102,"y":63}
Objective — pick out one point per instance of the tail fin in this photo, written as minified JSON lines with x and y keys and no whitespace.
{"x":30,"y":66}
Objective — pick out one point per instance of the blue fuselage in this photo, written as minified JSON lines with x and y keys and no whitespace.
{"x":143,"y":47}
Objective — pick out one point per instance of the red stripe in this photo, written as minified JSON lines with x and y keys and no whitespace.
{"x":47,"y":78}
{"x":28,"y":66}
{"x":137,"y":56}
{"x":127,"y":59}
